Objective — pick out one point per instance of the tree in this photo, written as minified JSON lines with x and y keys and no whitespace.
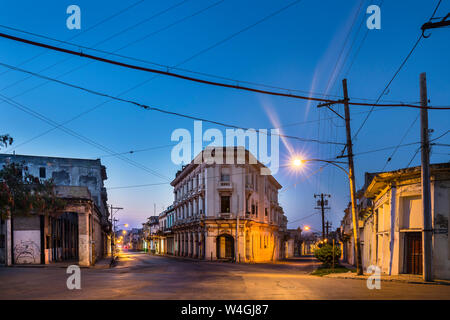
{"x":5,"y":140}
{"x":325,"y":254}
{"x":23,"y":194}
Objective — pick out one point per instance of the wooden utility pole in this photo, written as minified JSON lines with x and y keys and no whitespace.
{"x":427,"y":233}
{"x":351,"y":177}
{"x":237,"y":256}
{"x":327,"y":228}
{"x":321,"y":205}
{"x":113,"y":234}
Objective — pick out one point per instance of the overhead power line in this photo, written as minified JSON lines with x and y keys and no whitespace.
{"x":158,"y":109}
{"x":78,"y":136}
{"x":98,"y":43}
{"x":208,"y":82}
{"x":139,"y":186}
{"x":303,"y":218}
{"x":401,"y":141}
{"x":176,"y":67}
{"x":153,"y":16}
{"x":118,"y":13}
{"x":394,"y":76}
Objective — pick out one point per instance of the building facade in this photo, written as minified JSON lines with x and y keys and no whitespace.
{"x":165,"y":235}
{"x":225,"y":211}
{"x":391,"y":222}
{"x":78,"y":233}
{"x":150,"y":233}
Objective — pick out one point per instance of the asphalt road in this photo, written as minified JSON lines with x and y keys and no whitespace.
{"x":142,"y":276}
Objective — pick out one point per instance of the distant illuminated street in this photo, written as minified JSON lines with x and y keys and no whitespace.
{"x":142,"y":276}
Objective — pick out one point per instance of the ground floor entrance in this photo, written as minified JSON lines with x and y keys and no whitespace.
{"x":413,"y":252}
{"x":225,"y":247}
{"x":62,"y":237}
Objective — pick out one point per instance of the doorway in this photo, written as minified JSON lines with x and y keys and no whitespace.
{"x":225,"y":247}
{"x":413,"y":252}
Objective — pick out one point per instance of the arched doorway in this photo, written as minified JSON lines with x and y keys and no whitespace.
{"x":225,"y":247}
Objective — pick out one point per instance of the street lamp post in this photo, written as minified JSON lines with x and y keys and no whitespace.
{"x":351,"y":177}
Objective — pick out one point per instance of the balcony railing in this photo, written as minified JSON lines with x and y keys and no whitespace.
{"x":224,"y":214}
{"x":225,"y":185}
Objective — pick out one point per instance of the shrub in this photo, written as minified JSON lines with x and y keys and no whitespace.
{"x":325,"y":254}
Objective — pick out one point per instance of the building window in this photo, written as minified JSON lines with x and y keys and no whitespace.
{"x":42,"y":172}
{"x":225,"y":174}
{"x":265,"y":212}
{"x":225,"y":204}
{"x":2,"y":241}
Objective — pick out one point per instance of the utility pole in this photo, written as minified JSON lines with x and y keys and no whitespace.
{"x":322,"y":205}
{"x":351,"y":177}
{"x":327,"y":228}
{"x":113,"y":235}
{"x":445,"y":22}
{"x":237,"y":256}
{"x":427,"y":233}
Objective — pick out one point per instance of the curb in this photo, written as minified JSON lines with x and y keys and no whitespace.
{"x":434,"y":282}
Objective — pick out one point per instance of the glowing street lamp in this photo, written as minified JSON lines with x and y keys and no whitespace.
{"x":307,"y":228}
{"x":298,"y":162}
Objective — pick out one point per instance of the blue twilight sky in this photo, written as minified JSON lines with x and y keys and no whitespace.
{"x":296,"y":49}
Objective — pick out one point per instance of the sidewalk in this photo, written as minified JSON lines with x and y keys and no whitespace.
{"x":405,"y":278}
{"x":101,"y":264}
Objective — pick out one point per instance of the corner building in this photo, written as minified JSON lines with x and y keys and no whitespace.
{"x":227,"y":211}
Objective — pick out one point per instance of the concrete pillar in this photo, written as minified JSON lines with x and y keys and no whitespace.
{"x":194,"y":237}
{"x":200,"y":244}
{"x":184,"y":244}
{"x":176,"y":244}
{"x":179,"y":244}
{"x":108,"y":245}
{"x":8,"y":246}
{"x":84,"y":254}
{"x":189,"y":250}
{"x":394,"y":265}
{"x":200,"y":205}
{"x":210,"y":248}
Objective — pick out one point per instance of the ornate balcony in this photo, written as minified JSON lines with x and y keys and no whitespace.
{"x":224,"y":215}
{"x":225,"y":186}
